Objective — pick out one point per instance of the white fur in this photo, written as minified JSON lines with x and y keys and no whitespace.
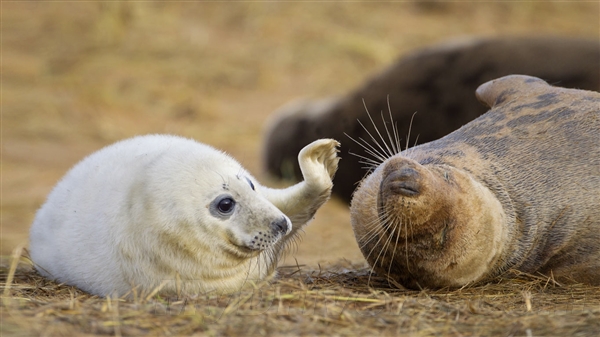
{"x":141,"y":213}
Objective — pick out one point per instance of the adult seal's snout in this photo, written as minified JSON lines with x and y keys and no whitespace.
{"x":401,"y":180}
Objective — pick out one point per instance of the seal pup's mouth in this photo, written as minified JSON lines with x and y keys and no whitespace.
{"x":239,"y":250}
{"x":267,"y":238}
{"x":258,"y":241}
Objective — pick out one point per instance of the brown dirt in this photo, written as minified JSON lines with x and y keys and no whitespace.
{"x":79,"y":76}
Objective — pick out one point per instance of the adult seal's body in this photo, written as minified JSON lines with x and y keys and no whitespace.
{"x":517,"y":188}
{"x":166,"y":211}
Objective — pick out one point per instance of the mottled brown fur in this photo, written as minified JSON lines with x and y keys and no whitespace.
{"x":526,"y":175}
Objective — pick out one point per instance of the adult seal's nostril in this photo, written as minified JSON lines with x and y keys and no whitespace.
{"x":404,"y":181}
{"x":279,"y":226}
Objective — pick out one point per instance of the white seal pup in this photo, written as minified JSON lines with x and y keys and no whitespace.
{"x":167,"y":211}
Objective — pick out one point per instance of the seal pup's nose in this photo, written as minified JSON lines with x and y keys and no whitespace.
{"x":279,"y":226}
{"x":403,"y":180}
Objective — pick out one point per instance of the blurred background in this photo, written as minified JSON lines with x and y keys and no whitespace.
{"x":79,"y":76}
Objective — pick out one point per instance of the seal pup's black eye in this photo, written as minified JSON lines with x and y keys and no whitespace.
{"x":226,"y":205}
{"x":251,"y":184}
{"x":223,"y":206}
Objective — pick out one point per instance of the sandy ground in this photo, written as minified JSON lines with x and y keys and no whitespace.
{"x":79,"y":76}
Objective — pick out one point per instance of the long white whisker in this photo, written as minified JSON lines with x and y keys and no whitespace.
{"x":368,"y":148}
{"x":381,"y":150}
{"x":386,"y":244}
{"x":397,"y":136}
{"x":409,"y":128}
{"x":393,"y":151}
{"x":392,"y":144}
{"x":373,"y":152}
{"x":389,"y":151}
{"x":397,"y":147}
{"x":384,"y":248}
{"x":406,"y":221}
{"x":367,"y":159}
{"x":416,"y":140}
{"x":374,"y":231}
{"x":399,"y":226}
{"x":378,"y":228}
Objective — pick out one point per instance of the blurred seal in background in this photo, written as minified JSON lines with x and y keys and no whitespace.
{"x":437,"y":82}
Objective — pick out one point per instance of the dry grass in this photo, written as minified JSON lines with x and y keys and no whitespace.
{"x":340,"y":300}
{"x":78,"y":76}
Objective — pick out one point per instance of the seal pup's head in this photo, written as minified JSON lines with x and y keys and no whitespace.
{"x":215,"y":228}
{"x":246,"y":219}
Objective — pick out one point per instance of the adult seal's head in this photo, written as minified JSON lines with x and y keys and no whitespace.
{"x":514,"y":189}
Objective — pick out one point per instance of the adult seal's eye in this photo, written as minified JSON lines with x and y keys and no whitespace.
{"x":226,"y":205}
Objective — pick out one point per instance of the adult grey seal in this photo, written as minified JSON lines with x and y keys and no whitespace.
{"x":437,"y":82}
{"x":517,"y":188}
